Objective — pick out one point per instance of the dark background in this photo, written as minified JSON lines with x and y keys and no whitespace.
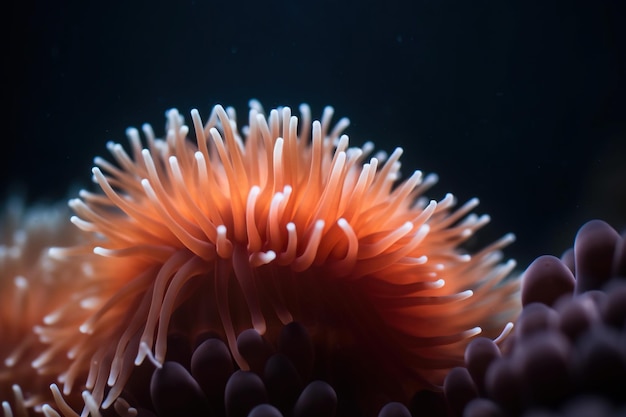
{"x":522,"y":104}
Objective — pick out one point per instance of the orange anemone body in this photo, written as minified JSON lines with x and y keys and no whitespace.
{"x":280,"y":221}
{"x":35,"y":291}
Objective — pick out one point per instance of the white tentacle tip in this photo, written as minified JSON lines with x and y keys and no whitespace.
{"x":146,"y":352}
{"x":56,"y":253}
{"x":505,"y":332}
{"x":474,"y":331}
{"x":466,"y":294}
{"x":48,"y":411}
{"x":85,"y":328}
{"x":440,"y":283}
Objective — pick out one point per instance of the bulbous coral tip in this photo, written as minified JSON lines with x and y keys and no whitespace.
{"x":503,"y":383}
{"x":317,"y":399}
{"x":546,"y":280}
{"x":296,"y":343}
{"x":619,"y":263}
{"x":394,"y":409}
{"x":459,"y":389}
{"x":594,"y":250}
{"x":543,"y":359}
{"x":265,"y":410}
{"x":478,"y":356}
{"x":536,"y":318}
{"x":211,"y":365}
{"x":481,"y":407}
{"x":175,"y":393}
{"x":244,"y":391}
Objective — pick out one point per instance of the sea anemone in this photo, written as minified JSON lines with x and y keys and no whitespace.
{"x":280,"y":222}
{"x":566,"y":356}
{"x":34,"y":290}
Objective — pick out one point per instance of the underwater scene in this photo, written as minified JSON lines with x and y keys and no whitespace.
{"x":314,"y":209}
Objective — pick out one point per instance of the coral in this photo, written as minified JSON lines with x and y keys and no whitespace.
{"x":567,"y":354}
